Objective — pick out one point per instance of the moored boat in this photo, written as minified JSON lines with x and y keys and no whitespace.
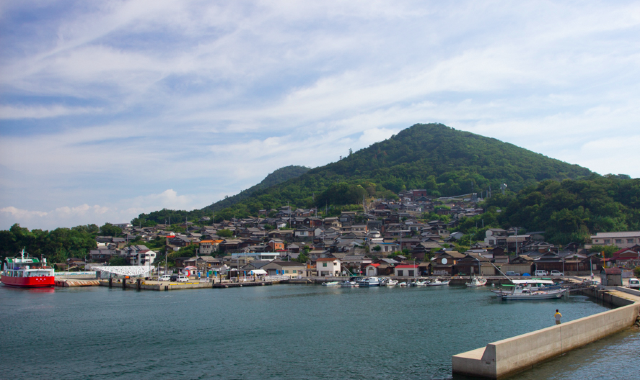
{"x":526,"y":293}
{"x":391,"y":283}
{"x":349,"y":284}
{"x":533,"y":284}
{"x":477,"y":281}
{"x":331,"y":283}
{"x":437,"y":282}
{"x":370,"y":281}
{"x":27,"y":272}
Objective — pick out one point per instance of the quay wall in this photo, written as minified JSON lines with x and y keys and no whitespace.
{"x":508,"y":356}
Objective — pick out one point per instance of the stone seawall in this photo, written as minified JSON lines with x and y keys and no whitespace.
{"x":505,"y":357}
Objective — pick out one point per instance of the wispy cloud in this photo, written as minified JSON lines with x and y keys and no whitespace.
{"x":106,"y":103}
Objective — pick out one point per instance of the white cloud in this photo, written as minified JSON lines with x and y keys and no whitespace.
{"x":111,"y":102}
{"x":122,"y":211}
{"x":40,"y":112}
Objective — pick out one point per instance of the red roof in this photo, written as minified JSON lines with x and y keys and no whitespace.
{"x":327,"y":259}
{"x":612,"y":271}
{"x":401,"y":266}
{"x":373,"y":265}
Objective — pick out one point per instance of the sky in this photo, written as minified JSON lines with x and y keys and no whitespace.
{"x":109,"y":109}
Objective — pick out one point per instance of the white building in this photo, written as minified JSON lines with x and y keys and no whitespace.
{"x":257,"y":255}
{"x":620,"y":239}
{"x":328,"y":266}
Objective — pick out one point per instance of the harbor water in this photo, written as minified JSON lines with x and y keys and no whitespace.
{"x":282,"y":331}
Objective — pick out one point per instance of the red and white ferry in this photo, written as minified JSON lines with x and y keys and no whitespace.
{"x":27,"y":272}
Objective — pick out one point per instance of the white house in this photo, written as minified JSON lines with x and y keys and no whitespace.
{"x":329,"y":266}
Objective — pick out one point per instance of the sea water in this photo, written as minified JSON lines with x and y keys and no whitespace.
{"x":282,"y":331}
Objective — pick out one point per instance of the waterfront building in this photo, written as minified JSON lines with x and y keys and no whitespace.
{"x":620,"y":239}
{"x":406,"y":270}
{"x":328,"y":266}
{"x":611,"y":277}
{"x":286,"y":268}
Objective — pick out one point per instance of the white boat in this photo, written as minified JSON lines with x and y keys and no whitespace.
{"x":402,"y":284}
{"x":370,"y":281}
{"x":421,"y":283}
{"x":477,"y":281}
{"x":391,"y":283}
{"x":525,"y":293}
{"x":349,"y":284}
{"x":437,"y":282}
{"x":331,"y":283}
{"x":534,"y":284}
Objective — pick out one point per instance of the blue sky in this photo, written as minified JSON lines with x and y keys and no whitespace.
{"x":113,"y":108}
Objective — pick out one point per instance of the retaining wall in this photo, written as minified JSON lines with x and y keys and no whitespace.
{"x":515,"y":354}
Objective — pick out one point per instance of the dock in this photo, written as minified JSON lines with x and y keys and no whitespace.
{"x":508,"y":356}
{"x":139,"y":284}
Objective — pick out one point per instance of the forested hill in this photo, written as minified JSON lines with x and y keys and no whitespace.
{"x":570,"y":211}
{"x":281,"y":175}
{"x":426,"y":156}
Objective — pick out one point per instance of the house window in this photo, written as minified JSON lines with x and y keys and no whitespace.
{"x":400,"y":273}
{"x":629,"y":241}
{"x":607,"y":241}
{"x":324,"y":264}
{"x":295,"y":271}
{"x":618,"y":241}
{"x":410,"y":273}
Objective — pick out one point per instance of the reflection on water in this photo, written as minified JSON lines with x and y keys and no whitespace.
{"x":270,"y":332}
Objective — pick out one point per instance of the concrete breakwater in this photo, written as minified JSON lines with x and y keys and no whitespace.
{"x":508,"y":356}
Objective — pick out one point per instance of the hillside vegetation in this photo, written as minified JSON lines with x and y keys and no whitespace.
{"x":428,"y":156}
{"x":279,"y":176}
{"x":572,"y":210}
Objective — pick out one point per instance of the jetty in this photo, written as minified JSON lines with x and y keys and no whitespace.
{"x":508,"y":356}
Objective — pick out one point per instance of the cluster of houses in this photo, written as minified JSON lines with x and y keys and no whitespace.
{"x":373,"y":242}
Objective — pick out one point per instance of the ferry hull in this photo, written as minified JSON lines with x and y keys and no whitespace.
{"x":29,"y":282}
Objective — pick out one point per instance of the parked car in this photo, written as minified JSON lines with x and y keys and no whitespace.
{"x":556,"y":273}
{"x":182,"y":278}
{"x":512,"y":273}
{"x":634,"y":283}
{"x":541,"y":273}
{"x":165,"y":277}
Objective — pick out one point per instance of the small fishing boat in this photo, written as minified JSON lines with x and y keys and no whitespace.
{"x":349,"y":284}
{"x":437,"y":282}
{"x":422,"y":283}
{"x":477,"y":281}
{"x":331,"y":283}
{"x":391,"y":283}
{"x":370,"y":281}
{"x":525,"y":293}
{"x":402,"y":284}
{"x":534,"y":284}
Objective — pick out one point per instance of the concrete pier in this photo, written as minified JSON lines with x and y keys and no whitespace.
{"x":73,"y":283}
{"x":508,"y":356}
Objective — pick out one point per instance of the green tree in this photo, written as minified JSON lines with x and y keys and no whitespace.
{"x":118,"y":261}
{"x":110,"y":230}
{"x":225,"y":233}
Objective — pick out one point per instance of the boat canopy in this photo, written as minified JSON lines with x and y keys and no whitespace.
{"x":258,"y":272}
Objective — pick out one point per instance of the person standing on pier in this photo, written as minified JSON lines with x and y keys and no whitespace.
{"x":557,"y":315}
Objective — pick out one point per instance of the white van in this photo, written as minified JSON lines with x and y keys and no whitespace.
{"x":634,"y":283}
{"x":541,"y":273}
{"x":165,"y":277}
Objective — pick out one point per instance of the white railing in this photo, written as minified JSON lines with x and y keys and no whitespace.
{"x":74,"y":273}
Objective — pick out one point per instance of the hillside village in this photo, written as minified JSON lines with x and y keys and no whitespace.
{"x":386,"y":238}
